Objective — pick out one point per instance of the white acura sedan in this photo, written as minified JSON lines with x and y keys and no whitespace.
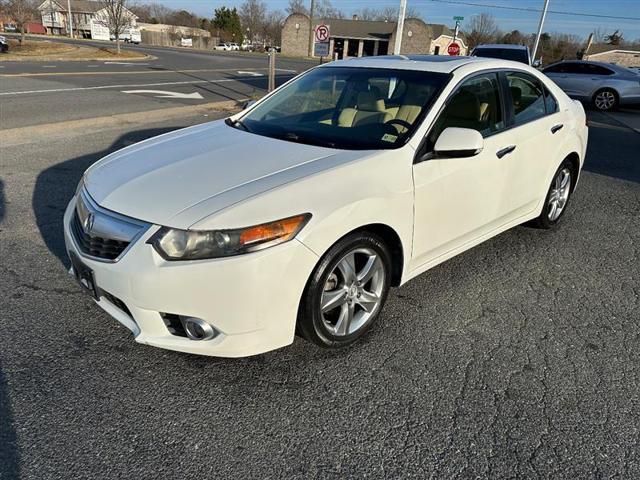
{"x":299,"y":213}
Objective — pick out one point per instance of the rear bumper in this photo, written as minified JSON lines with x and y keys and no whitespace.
{"x":250,"y":300}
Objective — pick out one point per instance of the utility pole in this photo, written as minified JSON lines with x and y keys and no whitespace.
{"x":312,"y":12}
{"x":399,"y":29}
{"x":535,"y":47}
{"x":70,"y":21}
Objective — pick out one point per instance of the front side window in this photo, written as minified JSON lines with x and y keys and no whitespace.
{"x":527,"y":97}
{"x":475,"y":105}
{"x":347,"y":107}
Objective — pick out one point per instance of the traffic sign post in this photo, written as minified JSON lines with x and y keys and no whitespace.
{"x":321,"y":41}
{"x":456,"y":31}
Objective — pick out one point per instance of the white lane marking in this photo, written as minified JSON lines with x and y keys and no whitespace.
{"x":106,"y":87}
{"x":166,"y":94}
{"x":285,"y":70}
{"x":124,"y":63}
{"x":253,"y":74}
{"x":93,"y":66}
{"x":49,"y":66}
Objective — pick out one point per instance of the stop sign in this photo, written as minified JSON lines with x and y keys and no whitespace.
{"x":453,"y":49}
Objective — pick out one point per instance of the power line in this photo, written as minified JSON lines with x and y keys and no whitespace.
{"x":528,"y":9}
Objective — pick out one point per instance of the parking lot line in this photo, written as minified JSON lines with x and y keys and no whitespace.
{"x":134,"y":72}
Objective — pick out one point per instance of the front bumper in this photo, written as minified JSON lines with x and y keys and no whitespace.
{"x":251,"y":300}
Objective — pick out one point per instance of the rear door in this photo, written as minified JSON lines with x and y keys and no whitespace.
{"x":539,"y":127}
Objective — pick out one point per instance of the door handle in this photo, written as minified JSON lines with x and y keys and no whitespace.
{"x":504,"y":151}
{"x":557,"y":127}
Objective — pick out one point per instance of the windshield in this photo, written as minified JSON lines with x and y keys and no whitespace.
{"x":347,"y":108}
{"x":515,"y":54}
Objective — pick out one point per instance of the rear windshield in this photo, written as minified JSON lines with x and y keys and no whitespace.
{"x":517,"y":55}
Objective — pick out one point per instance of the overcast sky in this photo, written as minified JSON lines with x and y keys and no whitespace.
{"x":441,"y":11}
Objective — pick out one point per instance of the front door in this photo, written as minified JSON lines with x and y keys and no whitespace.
{"x":458,"y":200}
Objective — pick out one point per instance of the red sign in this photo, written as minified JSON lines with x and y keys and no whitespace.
{"x":453,"y":49}
{"x":322,"y":33}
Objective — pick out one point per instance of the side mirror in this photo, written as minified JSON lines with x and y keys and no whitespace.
{"x":248,"y":104}
{"x":458,"y":142}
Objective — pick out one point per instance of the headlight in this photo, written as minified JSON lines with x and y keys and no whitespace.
{"x":174,"y":244}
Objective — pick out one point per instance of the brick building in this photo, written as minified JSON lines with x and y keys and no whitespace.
{"x":355,"y":38}
{"x":599,"y":52}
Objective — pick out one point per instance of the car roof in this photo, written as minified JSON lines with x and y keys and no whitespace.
{"x":611,"y":66}
{"x":506,"y":46}
{"x":425,"y":63}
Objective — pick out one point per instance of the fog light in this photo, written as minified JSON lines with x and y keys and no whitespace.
{"x":198,"y":329}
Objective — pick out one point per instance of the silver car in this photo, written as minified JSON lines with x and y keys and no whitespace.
{"x":604,"y":85}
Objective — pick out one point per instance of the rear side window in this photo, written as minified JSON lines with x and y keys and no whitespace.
{"x":550,"y":102}
{"x":597,"y":70}
{"x":527,"y":96}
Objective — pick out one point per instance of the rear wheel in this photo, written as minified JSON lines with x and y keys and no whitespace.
{"x":605,"y":99}
{"x":557,"y":197}
{"x":346,"y":291}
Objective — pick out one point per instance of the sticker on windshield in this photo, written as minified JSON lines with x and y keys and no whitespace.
{"x":387,"y":137}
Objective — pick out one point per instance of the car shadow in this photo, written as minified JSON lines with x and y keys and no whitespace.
{"x":57,"y":184}
{"x":9,"y":450}
{"x":613,"y":148}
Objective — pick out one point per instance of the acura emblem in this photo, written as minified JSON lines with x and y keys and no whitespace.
{"x":88,"y":222}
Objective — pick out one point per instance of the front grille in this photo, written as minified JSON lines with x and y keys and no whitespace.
{"x":95,"y":246}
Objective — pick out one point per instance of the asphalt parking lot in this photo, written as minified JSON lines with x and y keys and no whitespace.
{"x":519,"y":358}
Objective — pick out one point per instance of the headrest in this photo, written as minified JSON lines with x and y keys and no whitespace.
{"x":371,"y":101}
{"x":464,"y":105}
{"x":516,"y":93}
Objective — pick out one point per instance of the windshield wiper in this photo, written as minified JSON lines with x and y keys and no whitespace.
{"x":307,"y":139}
{"x":236,"y":124}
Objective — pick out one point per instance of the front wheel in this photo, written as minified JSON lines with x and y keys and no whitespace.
{"x":557,"y":197}
{"x":346,"y":291}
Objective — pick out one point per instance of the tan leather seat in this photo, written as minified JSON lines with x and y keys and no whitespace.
{"x":369,"y":109}
{"x":463,"y":111}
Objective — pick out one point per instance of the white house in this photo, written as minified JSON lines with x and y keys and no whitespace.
{"x":55,"y":16}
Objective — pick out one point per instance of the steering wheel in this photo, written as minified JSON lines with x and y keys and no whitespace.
{"x":402,"y":123}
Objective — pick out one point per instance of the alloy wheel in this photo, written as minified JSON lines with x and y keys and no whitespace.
{"x":353,"y":292}
{"x":559,"y":195}
{"x":605,"y":100}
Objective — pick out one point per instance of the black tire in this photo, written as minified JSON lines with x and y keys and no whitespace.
{"x":311,"y":321}
{"x":605,"y":100}
{"x":544,"y":221}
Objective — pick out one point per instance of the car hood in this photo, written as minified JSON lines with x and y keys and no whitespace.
{"x":179,"y":178}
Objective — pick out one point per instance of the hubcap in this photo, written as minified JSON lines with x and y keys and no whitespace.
{"x":352,"y":292}
{"x":560,"y":190}
{"x":605,"y":100}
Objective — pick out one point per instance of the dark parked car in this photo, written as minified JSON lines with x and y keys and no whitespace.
{"x":4,"y":46}
{"x":516,"y":53}
{"x":604,"y":85}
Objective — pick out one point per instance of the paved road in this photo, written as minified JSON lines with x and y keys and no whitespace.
{"x":519,"y":358}
{"x":45,"y":92}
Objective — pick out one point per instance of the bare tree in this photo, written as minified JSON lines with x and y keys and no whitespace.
{"x":297,"y":6}
{"x":252,"y":15}
{"x":23,"y":12}
{"x":481,"y":29}
{"x":390,"y":14}
{"x":325,"y":9}
{"x":272,"y":29}
{"x":117,"y":17}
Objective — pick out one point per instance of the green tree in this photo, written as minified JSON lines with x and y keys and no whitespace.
{"x":226,"y":24}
